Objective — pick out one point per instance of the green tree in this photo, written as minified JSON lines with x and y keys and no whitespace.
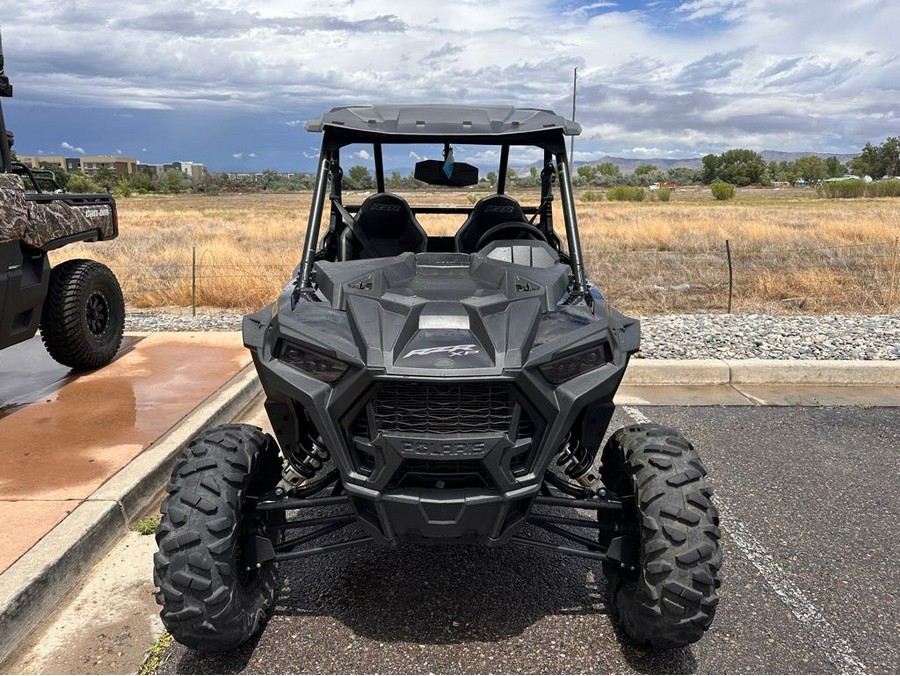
{"x":79,"y":183}
{"x":834,"y":167}
{"x":811,"y":168}
{"x":683,"y":176}
{"x":712,"y":165}
{"x":608,"y":169}
{"x":890,"y":156}
{"x":588,"y":173}
{"x":492,"y":178}
{"x":395,"y":180}
{"x":270,"y":179}
{"x":644,"y":169}
{"x":123,"y":186}
{"x":143,"y":181}
{"x":742,"y":167}
{"x":172,"y":182}
{"x":59,"y":174}
{"x":359,"y":178}
{"x":878,"y":161}
{"x":106,"y":178}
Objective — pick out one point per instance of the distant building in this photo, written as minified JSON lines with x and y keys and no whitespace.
{"x":89,"y":165}
{"x":66,"y":163}
{"x":123,"y":166}
{"x":194,"y":170}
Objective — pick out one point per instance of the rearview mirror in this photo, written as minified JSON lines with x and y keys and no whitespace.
{"x":432,"y":173}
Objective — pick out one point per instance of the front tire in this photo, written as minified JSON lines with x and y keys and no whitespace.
{"x":83,"y":316}
{"x":211,"y":598}
{"x":670,"y":600}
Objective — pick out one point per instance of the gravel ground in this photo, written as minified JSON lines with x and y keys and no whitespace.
{"x":675,"y":336}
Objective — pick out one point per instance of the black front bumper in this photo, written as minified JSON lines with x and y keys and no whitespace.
{"x":434,"y":459}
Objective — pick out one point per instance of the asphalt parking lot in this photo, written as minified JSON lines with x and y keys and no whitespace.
{"x":810,"y":583}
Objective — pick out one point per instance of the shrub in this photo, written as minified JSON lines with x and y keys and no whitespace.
{"x":626,"y":193}
{"x":722,"y":190}
{"x":79,"y":183}
{"x":842,"y":189}
{"x":591,"y":196}
{"x":889,"y":188}
{"x":147,"y":525}
{"x":664,"y":194}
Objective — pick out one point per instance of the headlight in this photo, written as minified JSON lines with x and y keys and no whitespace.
{"x":561,"y":370}
{"x":317,"y":365}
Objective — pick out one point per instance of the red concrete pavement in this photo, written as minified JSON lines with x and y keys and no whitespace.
{"x":61,"y":447}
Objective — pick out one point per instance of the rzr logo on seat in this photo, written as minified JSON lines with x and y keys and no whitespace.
{"x":386,"y":207}
{"x":499,"y":210}
{"x":451,"y":350}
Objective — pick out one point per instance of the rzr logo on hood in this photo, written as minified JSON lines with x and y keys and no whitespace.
{"x":451,"y":350}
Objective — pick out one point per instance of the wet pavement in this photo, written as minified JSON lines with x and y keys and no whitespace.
{"x":63,"y":435}
{"x":810,"y":580}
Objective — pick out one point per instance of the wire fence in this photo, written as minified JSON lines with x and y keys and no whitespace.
{"x":853,"y":278}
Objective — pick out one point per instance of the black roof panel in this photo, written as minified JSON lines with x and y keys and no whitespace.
{"x":442,"y":120}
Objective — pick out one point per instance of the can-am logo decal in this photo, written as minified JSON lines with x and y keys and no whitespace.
{"x":451,"y":350}
{"x":96,"y":212}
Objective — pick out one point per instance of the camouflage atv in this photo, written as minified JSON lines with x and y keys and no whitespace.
{"x":78,"y":304}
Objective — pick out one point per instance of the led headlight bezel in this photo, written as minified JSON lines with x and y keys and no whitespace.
{"x":571,"y":366}
{"x":315,"y":364}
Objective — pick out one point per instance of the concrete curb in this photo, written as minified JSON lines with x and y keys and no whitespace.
{"x":762,"y":372}
{"x":37,"y":582}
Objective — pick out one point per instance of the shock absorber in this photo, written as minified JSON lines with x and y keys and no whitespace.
{"x":578,"y":463}
{"x":304,"y":461}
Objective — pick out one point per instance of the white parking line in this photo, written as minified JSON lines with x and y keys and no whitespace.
{"x":836,"y":648}
{"x":636,"y":415}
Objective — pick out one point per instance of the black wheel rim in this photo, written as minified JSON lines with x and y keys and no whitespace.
{"x":96,"y":313}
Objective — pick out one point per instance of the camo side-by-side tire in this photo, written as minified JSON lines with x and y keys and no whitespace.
{"x":670,"y":599}
{"x":83,"y":316}
{"x":212,"y":598}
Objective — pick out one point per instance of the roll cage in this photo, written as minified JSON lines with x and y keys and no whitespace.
{"x":441,"y":124}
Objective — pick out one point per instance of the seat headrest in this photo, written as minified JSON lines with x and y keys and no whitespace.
{"x":497,"y":209}
{"x":384,"y":215}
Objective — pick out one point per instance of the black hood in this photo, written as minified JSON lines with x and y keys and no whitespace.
{"x":444,"y":314}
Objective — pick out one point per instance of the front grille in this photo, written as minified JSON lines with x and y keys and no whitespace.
{"x":444,"y":474}
{"x":443,"y":408}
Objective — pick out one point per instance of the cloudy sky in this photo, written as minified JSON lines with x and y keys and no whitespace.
{"x":230,"y":82}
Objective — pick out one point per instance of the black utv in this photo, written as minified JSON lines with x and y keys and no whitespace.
{"x":428,"y":389}
{"x":77,"y":304}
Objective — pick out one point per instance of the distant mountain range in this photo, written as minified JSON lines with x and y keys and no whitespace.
{"x":627,"y":165}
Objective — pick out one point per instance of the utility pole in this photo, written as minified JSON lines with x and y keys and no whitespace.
{"x":574,"y":95}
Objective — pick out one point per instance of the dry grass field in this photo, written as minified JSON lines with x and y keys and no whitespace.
{"x":792,"y":252}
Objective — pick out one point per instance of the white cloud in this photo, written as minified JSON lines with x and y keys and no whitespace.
{"x":252,"y":155}
{"x":363,"y":155}
{"x":237,"y":156}
{"x":118,"y":151}
{"x":704,"y":9}
{"x":696,"y":76}
{"x":65,"y":145}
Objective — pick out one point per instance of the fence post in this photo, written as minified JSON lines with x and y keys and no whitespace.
{"x":890,"y":298}
{"x":730,"y":274}
{"x":194,"y":280}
